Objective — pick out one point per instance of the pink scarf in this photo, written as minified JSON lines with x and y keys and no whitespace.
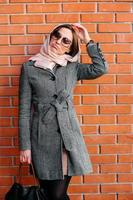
{"x":48,"y":59}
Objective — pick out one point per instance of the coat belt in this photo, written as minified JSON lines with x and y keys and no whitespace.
{"x":57,"y":105}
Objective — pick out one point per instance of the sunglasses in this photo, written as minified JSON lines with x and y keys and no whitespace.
{"x":64,"y":41}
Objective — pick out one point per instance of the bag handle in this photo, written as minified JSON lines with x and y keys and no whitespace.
{"x":36,"y":182}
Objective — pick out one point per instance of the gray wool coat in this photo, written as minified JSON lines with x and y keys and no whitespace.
{"x":47,"y":118}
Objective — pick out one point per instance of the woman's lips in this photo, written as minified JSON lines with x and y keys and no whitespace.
{"x":54,"y":46}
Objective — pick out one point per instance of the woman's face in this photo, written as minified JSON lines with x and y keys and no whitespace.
{"x":60,"y":43}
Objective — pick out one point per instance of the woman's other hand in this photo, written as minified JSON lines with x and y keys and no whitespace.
{"x":25,"y":156}
{"x":81,"y":32}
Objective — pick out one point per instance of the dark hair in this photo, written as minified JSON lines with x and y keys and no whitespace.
{"x":74,"y":46}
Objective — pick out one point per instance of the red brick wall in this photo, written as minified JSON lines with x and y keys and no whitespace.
{"x":104,"y":105}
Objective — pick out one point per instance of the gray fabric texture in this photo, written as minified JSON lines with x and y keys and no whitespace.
{"x":47,"y":118}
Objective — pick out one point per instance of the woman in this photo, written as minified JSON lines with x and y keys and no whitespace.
{"x":49,"y":131}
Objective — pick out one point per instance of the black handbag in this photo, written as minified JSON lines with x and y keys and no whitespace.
{"x":21,"y":192}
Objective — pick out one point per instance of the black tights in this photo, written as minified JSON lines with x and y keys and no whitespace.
{"x":56,"y":189}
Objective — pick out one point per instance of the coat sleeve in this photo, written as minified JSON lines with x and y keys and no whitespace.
{"x":98,"y":67}
{"x":24,"y":109}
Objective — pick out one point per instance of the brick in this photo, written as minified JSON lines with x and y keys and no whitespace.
{"x":124,"y":38}
{"x":103,"y":37}
{"x":5,"y":142}
{"x":39,"y":28}
{"x":114,"y":28}
{"x":127,"y":177}
{"x":6,"y":181}
{"x":116,"y":48}
{"x":9,"y":70}
{"x":15,"y":122}
{"x":25,"y":1}
{"x":4,"y":81}
{"x":83,"y":188}
{"x":11,"y":9}
{"x":7,"y":112}
{"x":4,"y":60}
{"x":6,"y":91}
{"x":33,"y":49}
{"x":80,"y":110}
{"x":85,"y":89}
{"x":15,"y":101}
{"x":114,"y":149}
{"x":43,"y":8}
{"x":101,"y":178}
{"x":71,"y":18}
{"x":11,"y":29}
{"x":8,"y":131}
{"x":128,"y":99}
{"x":74,"y":196}
{"x":124,"y":0}
{"x":126,"y":79}
{"x":115,"y":129}
{"x":100,"y":197}
{"x":76,"y":179}
{"x":4,"y":40}
{"x":53,"y":1}
{"x":5,"y":50}
{"x":116,"y":168}
{"x":114,"y":7}
{"x":101,"y":139}
{"x":89,"y":129}
{"x":104,"y":159}
{"x":125,"y":196}
{"x":128,"y":158}
{"x":79,"y":7}
{"x":100,"y":80}
{"x":98,"y":99}
{"x":95,"y":169}
{"x":125,"y":139}
{"x":24,"y":19}
{"x":92,"y":149}
{"x":8,"y":152}
{"x":8,"y":171}
{"x":125,"y":17}
{"x":97,"y":17}
{"x":3,"y":1}
{"x":18,"y":60}
{"x":4,"y":101}
{"x":90,"y":27}
{"x":124,"y":58}
{"x":116,"y":188}
{"x":3,"y":191}
{"x":76,"y":100}
{"x":94,"y":0}
{"x":27,"y":39}
{"x":5,"y":161}
{"x":5,"y":122}
{"x":120,"y":69}
{"x":115,"y":89}
{"x":123,"y":119}
{"x":99,"y":119}
{"x":109,"y":58}
{"x":3,"y":19}
{"x":115,"y":109}
{"x":15,"y":81}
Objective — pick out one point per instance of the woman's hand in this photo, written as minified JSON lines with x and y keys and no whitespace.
{"x":25,"y":156}
{"x":81,"y":32}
